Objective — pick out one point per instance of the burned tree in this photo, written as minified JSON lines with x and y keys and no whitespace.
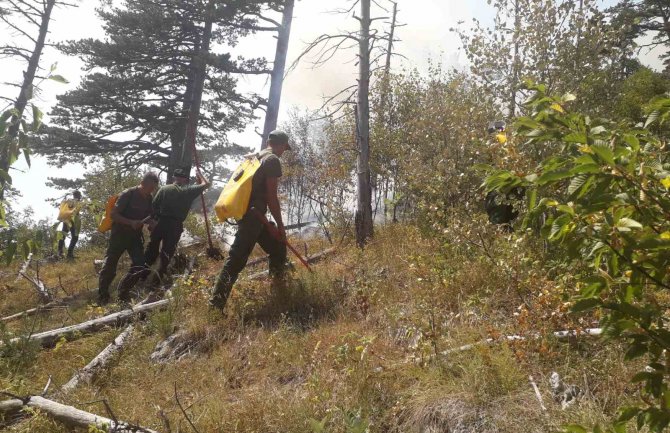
{"x":325,"y":47}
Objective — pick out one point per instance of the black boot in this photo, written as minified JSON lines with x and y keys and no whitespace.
{"x":70,"y":249}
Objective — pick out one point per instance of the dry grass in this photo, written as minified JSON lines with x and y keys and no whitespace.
{"x":334,"y":351}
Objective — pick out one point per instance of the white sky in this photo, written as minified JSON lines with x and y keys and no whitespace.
{"x":426,"y":37}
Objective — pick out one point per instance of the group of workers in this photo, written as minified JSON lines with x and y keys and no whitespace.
{"x":163,"y":211}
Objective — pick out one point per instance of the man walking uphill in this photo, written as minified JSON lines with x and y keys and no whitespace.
{"x":131,"y":211}
{"x":171,"y":206}
{"x":251,"y":229}
{"x":69,"y":216}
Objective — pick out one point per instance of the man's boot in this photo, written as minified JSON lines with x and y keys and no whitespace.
{"x":220,"y":294}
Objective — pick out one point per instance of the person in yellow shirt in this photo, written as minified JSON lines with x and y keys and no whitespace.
{"x":71,"y":219}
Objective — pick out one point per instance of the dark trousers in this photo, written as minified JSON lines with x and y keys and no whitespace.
{"x":250,"y":230}
{"x":118,"y":244}
{"x":73,"y":239}
{"x":163,"y":243}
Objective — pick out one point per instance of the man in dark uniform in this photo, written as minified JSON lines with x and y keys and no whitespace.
{"x":170,"y":208}
{"x":250,"y":229}
{"x":131,"y":212}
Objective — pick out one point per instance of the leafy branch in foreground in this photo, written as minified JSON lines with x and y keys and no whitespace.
{"x":605,"y":199}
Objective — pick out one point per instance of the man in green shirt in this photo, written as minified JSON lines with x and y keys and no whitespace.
{"x":131,"y":212}
{"x":250,"y":229}
{"x":171,"y":207}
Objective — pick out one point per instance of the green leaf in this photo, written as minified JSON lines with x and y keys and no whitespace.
{"x":58,"y":79}
{"x":605,"y":153}
{"x":632,"y":141}
{"x":566,"y":209}
{"x":553,"y":176}
{"x":585,"y":168}
{"x":597,"y":130}
{"x":628,"y":413}
{"x":626,"y":224}
{"x":585,"y":305}
{"x":576,"y":183}
{"x":636,"y":350}
{"x":575,"y":137}
{"x":653,"y":117}
{"x":37,"y":118}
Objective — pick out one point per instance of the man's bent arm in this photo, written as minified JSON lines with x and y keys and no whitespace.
{"x":272,"y":184}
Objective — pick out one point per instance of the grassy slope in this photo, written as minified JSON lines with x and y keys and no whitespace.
{"x":352,"y":346}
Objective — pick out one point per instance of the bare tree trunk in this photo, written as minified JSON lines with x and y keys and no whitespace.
{"x":514,"y":85}
{"x":200,"y":74}
{"x":387,"y":66}
{"x":24,"y":95}
{"x":277,"y":78}
{"x":364,"y":228}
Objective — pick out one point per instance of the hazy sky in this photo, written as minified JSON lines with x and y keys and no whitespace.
{"x":426,"y":37}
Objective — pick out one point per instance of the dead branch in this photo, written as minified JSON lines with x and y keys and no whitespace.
{"x":98,"y":363}
{"x":48,"y":338}
{"x":42,"y":291}
{"x":537,"y":393}
{"x":70,"y":415}
{"x":24,"y":268}
{"x":176,"y":397}
{"x":312,"y":259}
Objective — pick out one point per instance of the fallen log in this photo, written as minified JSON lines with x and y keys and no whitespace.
{"x":98,"y":363}
{"x":311,"y":259}
{"x":70,"y":415}
{"x":48,"y":338}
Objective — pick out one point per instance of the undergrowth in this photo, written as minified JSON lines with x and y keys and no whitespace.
{"x":360,"y":345}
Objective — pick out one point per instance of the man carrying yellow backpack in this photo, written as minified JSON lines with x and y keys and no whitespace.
{"x":251,"y":229}
{"x":68,"y":214}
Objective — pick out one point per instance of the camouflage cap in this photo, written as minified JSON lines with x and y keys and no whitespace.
{"x":181,"y":172}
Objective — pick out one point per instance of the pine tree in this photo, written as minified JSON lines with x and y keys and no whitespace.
{"x":136,"y":97}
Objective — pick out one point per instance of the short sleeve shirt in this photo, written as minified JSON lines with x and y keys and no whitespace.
{"x":174,"y":201}
{"x":270,"y":167}
{"x":132,"y":205}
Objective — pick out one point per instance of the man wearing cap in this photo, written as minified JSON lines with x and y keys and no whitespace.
{"x":250,"y":229}
{"x":171,"y":206}
{"x":131,"y":212}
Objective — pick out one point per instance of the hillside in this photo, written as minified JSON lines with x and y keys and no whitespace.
{"x":362,"y":344}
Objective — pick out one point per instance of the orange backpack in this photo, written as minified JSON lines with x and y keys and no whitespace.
{"x":106,"y":221}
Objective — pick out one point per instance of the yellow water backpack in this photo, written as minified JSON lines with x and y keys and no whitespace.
{"x":234,"y":199}
{"x":67,"y":211}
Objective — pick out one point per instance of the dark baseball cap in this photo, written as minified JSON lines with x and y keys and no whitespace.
{"x":279,"y":137}
{"x":181,"y":172}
